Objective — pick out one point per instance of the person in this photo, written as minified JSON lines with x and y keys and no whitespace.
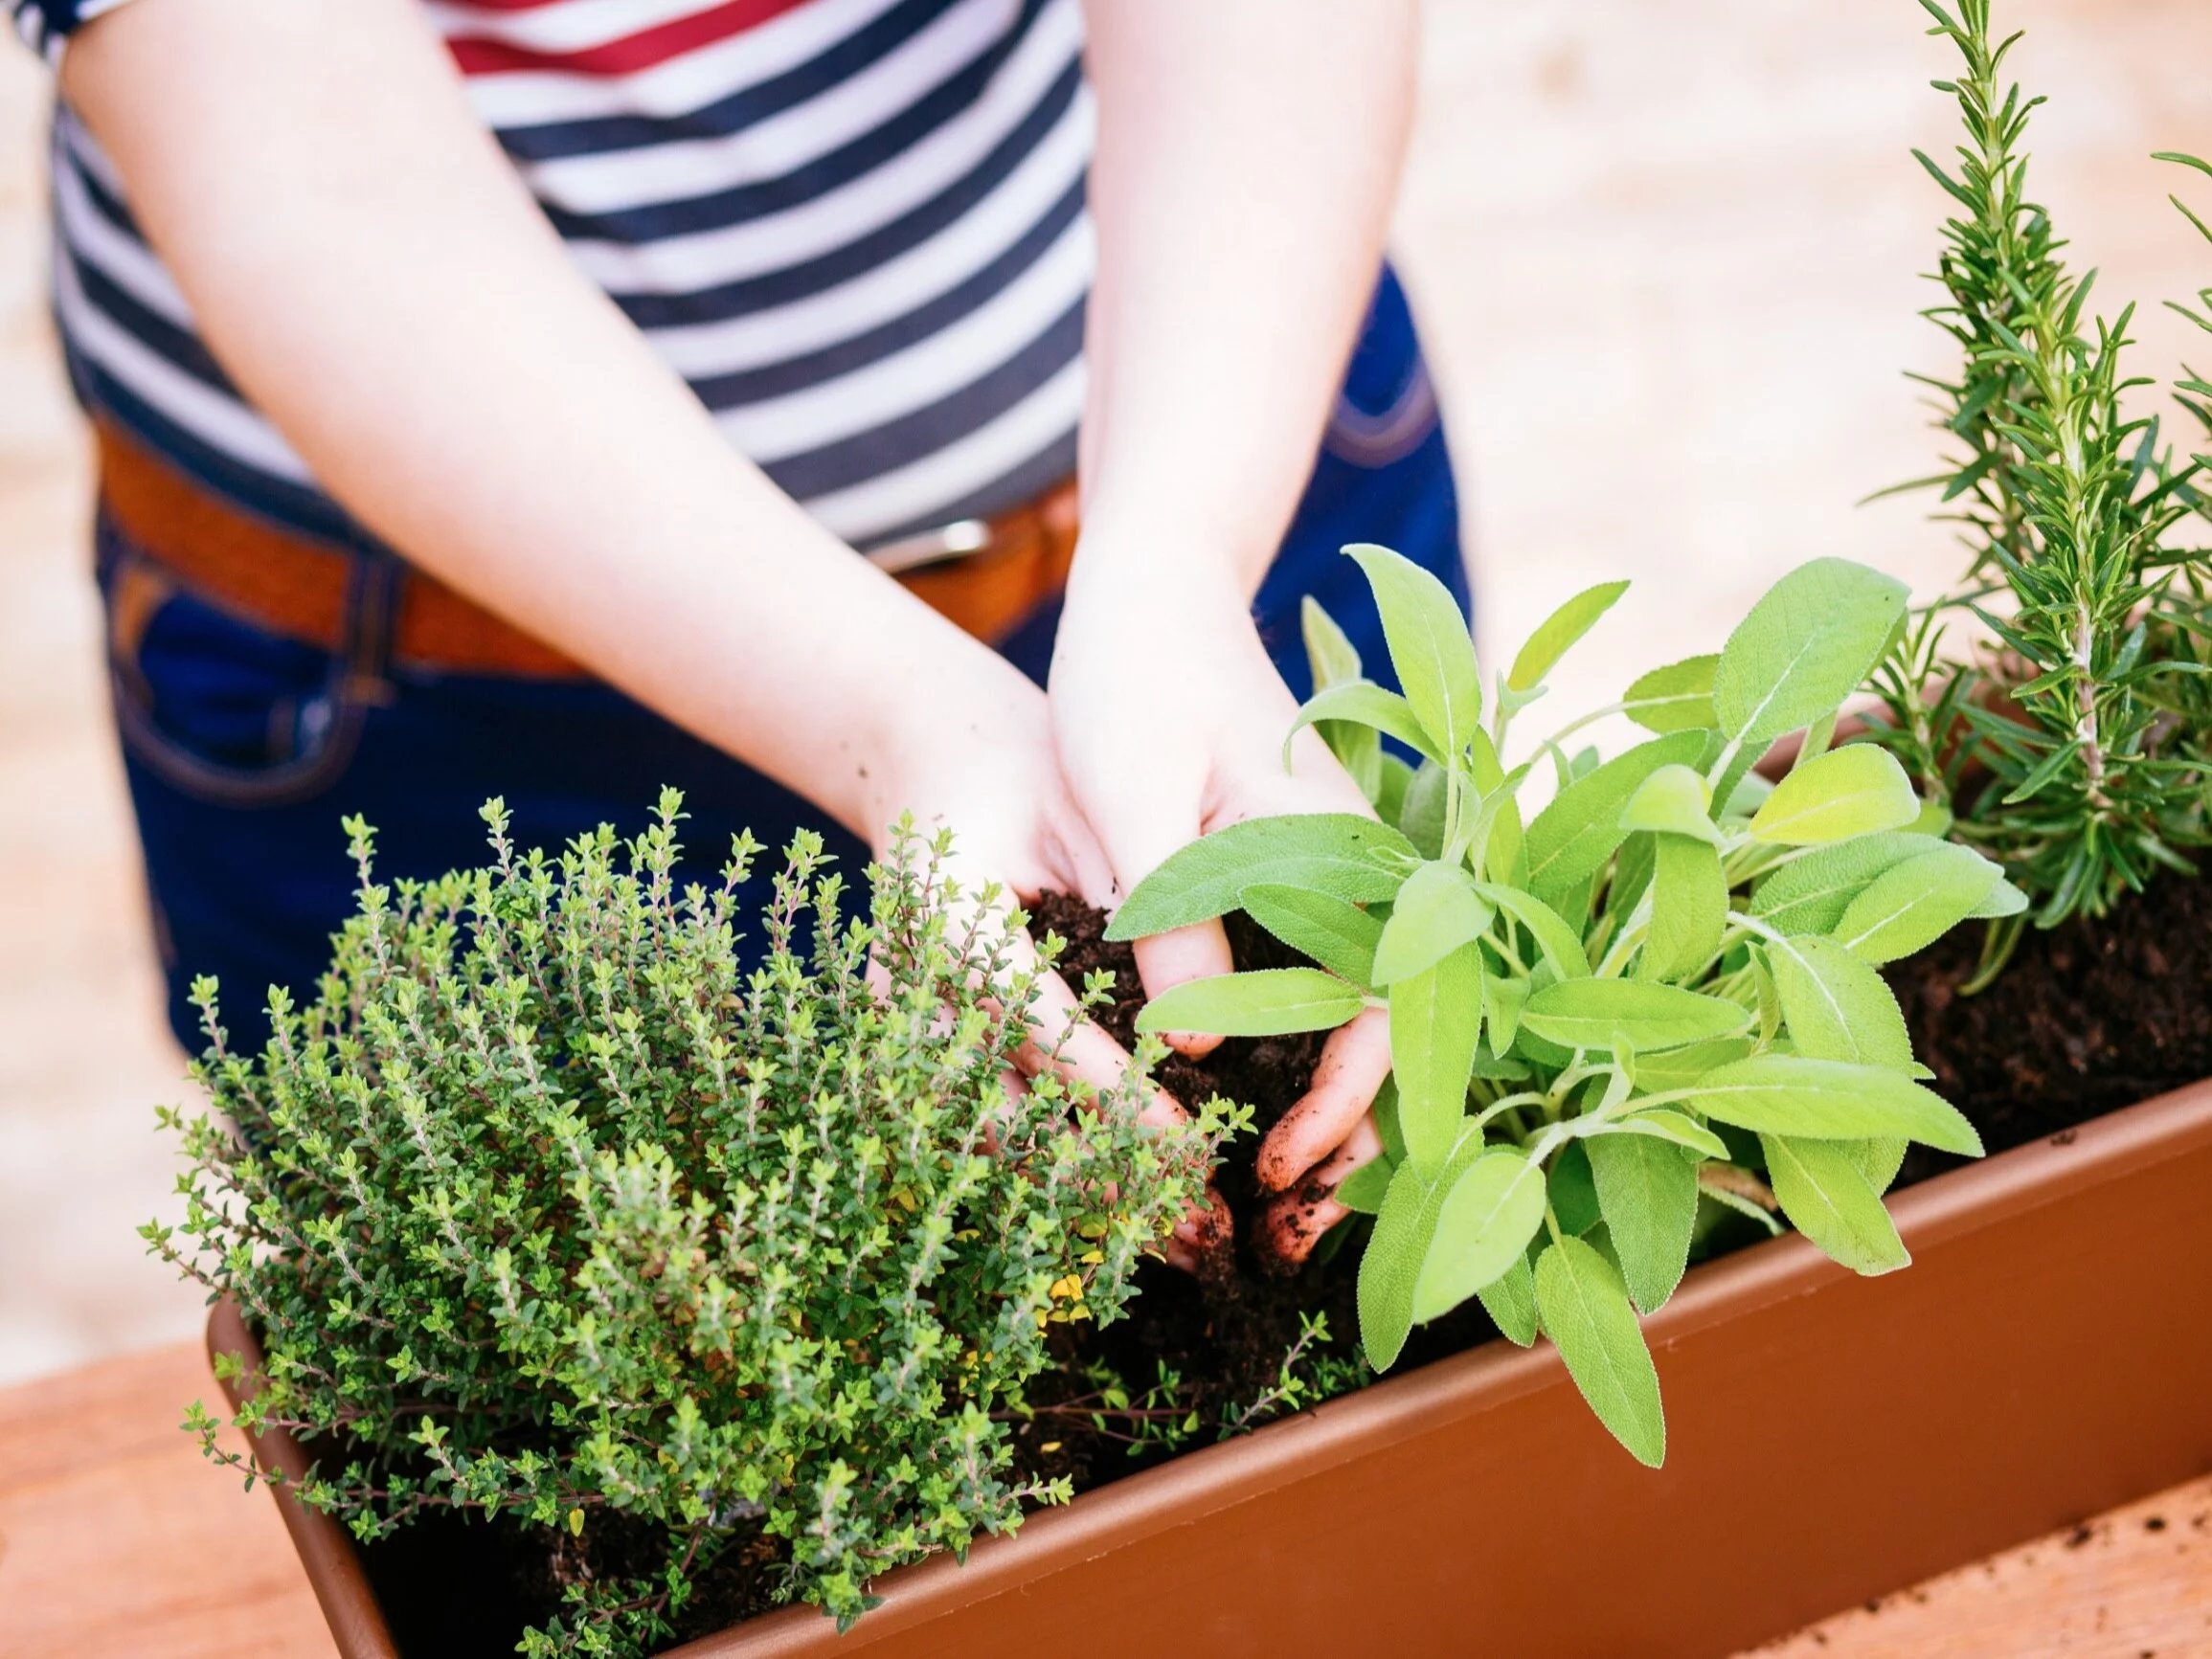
{"x":558,"y":398}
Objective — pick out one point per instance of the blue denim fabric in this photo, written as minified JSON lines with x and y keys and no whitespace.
{"x":244,"y":750}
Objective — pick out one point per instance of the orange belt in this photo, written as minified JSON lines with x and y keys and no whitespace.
{"x":986,"y":576}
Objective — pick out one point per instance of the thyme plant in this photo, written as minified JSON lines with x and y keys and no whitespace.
{"x":543,"y":1208}
{"x":2089,"y":720}
{"x":1654,"y":1000}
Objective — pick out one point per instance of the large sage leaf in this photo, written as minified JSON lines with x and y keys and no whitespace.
{"x":1811,"y":892}
{"x":1330,"y":653}
{"x":1510,"y":1301}
{"x":1336,"y":661}
{"x":1435,"y":912}
{"x":1853,"y":790}
{"x":1830,"y":1100}
{"x":1341,"y":937}
{"x":1559,"y":632}
{"x":1914,"y":903}
{"x":1570,"y":840}
{"x":1421,"y":814}
{"x":1689,"y":908}
{"x":1430,"y":646}
{"x":1676,"y":697}
{"x":1559,"y":944}
{"x":1391,"y":1266}
{"x":1341,"y":854}
{"x":1596,"y":1012}
{"x":1836,"y":1007}
{"x":1672,"y":800}
{"x":1587,"y":1313}
{"x":1266,"y":1002}
{"x":1363,"y":1191}
{"x":1482,"y":1229}
{"x":1828,"y":1197}
{"x":1648,"y":1194}
{"x":1671,"y":1127}
{"x":1679,"y":1067}
{"x":1435,"y":1020}
{"x":1803,"y":649}
{"x":1362,"y":703}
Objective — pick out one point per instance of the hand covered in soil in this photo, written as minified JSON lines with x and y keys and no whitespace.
{"x":1169,"y":719}
{"x":988,"y":770}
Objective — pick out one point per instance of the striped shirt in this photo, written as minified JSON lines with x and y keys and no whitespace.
{"x":855,"y":227}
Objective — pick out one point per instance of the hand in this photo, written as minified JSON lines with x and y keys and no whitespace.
{"x":1169,"y":719}
{"x":985,"y":765}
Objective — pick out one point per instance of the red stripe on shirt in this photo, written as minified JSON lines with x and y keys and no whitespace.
{"x":627,"y":55}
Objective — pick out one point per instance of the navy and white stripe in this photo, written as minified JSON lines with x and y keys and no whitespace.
{"x":855,"y":227}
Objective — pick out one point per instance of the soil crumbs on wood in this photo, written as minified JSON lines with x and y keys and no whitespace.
{"x":2087,"y":1018}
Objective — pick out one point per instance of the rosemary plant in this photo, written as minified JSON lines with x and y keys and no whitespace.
{"x":2083,"y":717}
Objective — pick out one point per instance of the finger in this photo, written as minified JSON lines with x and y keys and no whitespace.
{"x":1167,"y":960}
{"x":1296,"y":1223}
{"x":1354,"y":1061}
{"x":1066,"y":1042}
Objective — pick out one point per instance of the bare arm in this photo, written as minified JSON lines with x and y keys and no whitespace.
{"x":1248,"y":157}
{"x":370,"y":271}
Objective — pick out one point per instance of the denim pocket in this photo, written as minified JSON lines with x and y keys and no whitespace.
{"x":222,"y":709}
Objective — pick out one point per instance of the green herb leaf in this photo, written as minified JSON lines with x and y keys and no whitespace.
{"x":1593,"y":1014}
{"x":1396,"y":1249}
{"x":1672,"y":800}
{"x":1571,"y":838}
{"x":1678,"y":1067}
{"x":1559,"y":632}
{"x":2004,"y":900}
{"x":1648,"y":1193}
{"x":1510,"y":1301}
{"x":1436,"y":910}
{"x":1587,"y":1312}
{"x":1914,"y":903}
{"x":1421,"y":815}
{"x":1810,"y":893}
{"x":1341,"y":937}
{"x":1853,"y":790}
{"x":1330,"y":653}
{"x":1672,"y":1127}
{"x":1487,"y":1218}
{"x":1836,"y":1007}
{"x":1266,"y":1002}
{"x":1878,"y":1159}
{"x":1362,"y":703}
{"x":1559,"y":944}
{"x":1676,"y":697}
{"x":1503,"y":996}
{"x":1689,"y":908}
{"x":1436,"y":1020}
{"x":1341,"y":854}
{"x":1572,"y":1190}
{"x":1808,"y":643}
{"x":1429,"y":645}
{"x":1828,"y":1197}
{"x":1362,"y":1191}
{"x":1830,"y":1100}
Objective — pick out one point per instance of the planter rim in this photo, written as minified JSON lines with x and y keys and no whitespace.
{"x":1310,"y":1442}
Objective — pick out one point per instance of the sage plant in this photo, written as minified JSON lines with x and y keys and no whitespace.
{"x":1654,"y":1000}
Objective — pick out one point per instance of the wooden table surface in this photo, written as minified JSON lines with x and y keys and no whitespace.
{"x":117,"y":1543}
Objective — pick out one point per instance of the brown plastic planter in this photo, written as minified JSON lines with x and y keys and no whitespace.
{"x":1830,"y":1438}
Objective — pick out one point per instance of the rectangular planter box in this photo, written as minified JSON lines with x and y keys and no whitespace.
{"x":1830,"y":1438}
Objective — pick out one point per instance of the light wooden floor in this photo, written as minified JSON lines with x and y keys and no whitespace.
{"x":117,"y":1543}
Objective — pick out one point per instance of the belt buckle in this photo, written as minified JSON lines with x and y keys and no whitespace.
{"x":932,"y":547}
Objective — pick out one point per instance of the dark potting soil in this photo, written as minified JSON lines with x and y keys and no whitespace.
{"x":2086,"y":1019}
